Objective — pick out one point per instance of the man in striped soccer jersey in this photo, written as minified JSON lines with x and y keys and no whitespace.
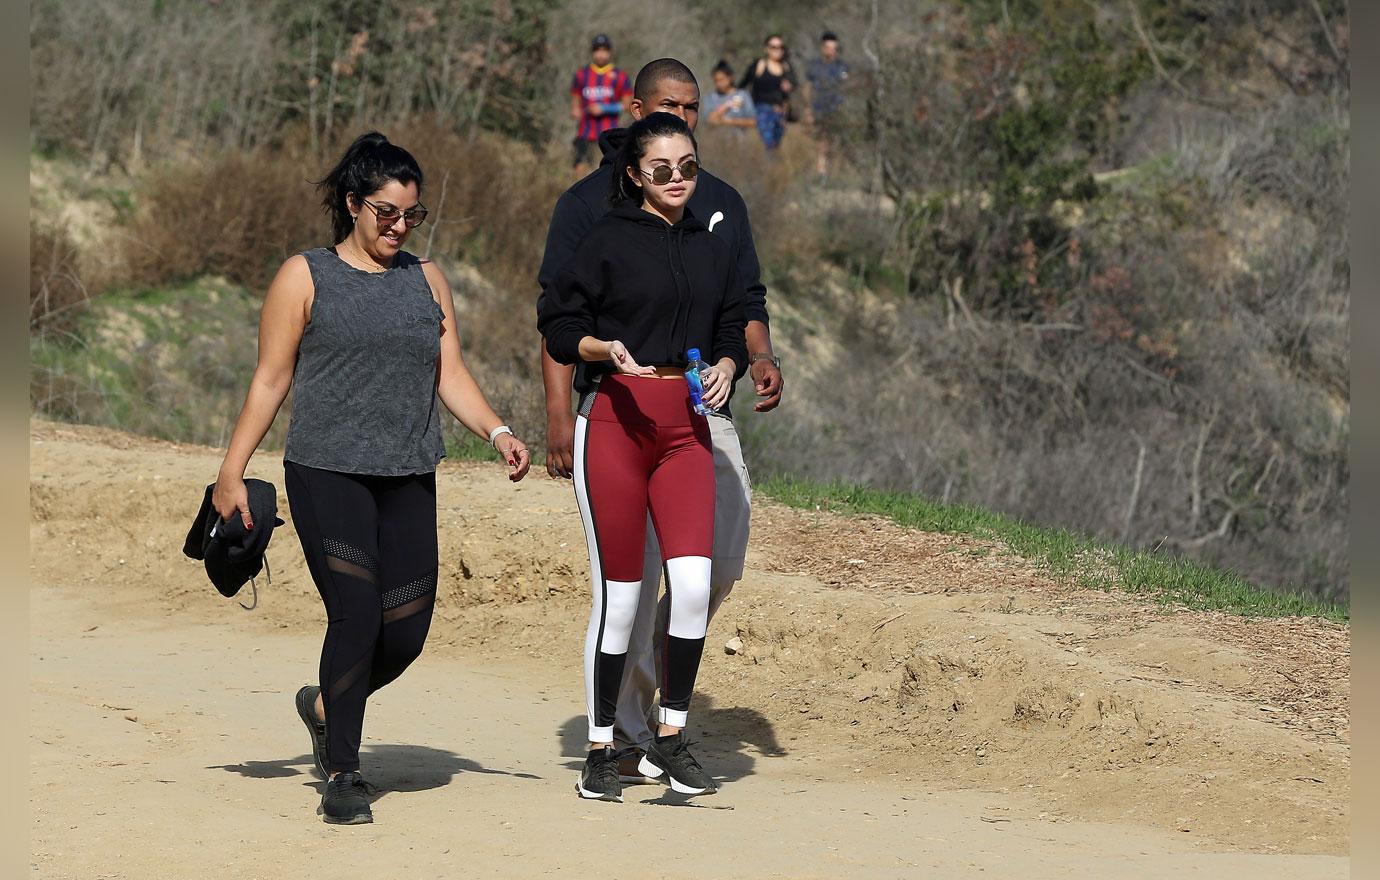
{"x":599,"y":94}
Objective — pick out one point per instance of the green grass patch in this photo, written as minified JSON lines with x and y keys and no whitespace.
{"x":172,"y":363}
{"x":462,"y":445}
{"x":1065,"y":555}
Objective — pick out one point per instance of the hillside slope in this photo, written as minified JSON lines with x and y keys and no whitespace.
{"x":931,"y":690}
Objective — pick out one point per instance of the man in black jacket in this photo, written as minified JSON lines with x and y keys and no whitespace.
{"x":665,"y":86}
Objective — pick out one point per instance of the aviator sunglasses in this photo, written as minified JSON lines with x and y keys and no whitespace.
{"x":389,"y":214}
{"x":661,"y":174}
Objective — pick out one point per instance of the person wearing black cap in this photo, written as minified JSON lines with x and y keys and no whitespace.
{"x":364,"y":335}
{"x":825,"y":77}
{"x":599,"y":94}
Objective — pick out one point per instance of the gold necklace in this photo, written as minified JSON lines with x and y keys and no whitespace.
{"x":374,"y":269}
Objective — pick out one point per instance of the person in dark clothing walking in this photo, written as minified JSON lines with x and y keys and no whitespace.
{"x":668,"y":86}
{"x":771,"y":80}
{"x":825,"y":78}
{"x":646,"y":290}
{"x":364,"y":335}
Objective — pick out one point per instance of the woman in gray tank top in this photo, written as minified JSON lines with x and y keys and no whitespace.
{"x":364,"y":334}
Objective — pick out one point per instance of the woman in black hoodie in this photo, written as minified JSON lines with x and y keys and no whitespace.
{"x":648,"y":283}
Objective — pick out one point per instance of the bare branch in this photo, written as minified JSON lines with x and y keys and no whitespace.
{"x":1135,"y":493}
{"x":1148,"y":43}
{"x":1196,"y":487}
{"x":1327,"y":32}
{"x":1219,"y":532}
{"x":440,"y":206}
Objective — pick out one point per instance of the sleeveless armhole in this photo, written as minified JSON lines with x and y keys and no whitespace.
{"x":311,"y":274}
{"x":431,"y":291}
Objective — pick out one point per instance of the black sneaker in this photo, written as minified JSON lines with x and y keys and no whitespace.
{"x":306,"y":710}
{"x":346,"y":801}
{"x":670,"y":755}
{"x":599,"y":779}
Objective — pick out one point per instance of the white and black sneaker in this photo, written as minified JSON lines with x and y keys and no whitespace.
{"x":599,"y":778}
{"x":670,"y":756}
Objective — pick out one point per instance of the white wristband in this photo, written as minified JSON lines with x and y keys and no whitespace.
{"x":497,"y":432}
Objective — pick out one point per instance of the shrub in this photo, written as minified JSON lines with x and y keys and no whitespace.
{"x":236,"y":215}
{"x":56,"y":289}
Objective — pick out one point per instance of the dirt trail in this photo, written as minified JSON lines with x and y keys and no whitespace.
{"x":903,"y":705}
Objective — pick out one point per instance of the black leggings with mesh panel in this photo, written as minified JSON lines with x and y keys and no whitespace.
{"x":370,"y":543}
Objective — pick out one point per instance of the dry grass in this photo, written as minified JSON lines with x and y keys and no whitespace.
{"x":1301,"y":667}
{"x":235,"y":215}
{"x":57,"y":292}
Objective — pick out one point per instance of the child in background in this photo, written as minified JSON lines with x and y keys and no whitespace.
{"x":727,"y":107}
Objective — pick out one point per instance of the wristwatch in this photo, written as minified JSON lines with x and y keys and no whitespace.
{"x":763,"y":356}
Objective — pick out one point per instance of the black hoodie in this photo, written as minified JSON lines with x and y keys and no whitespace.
{"x":659,"y":288}
{"x":714,"y":202}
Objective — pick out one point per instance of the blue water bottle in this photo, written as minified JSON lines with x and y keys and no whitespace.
{"x":692,"y":378}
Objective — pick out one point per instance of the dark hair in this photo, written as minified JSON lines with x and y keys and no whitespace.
{"x":785,"y":49}
{"x":653,"y":125}
{"x":723,"y":67}
{"x":367,"y":166}
{"x":653,"y":72}
{"x":828,"y":36}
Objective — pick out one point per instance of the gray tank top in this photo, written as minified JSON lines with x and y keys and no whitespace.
{"x":364,"y":391}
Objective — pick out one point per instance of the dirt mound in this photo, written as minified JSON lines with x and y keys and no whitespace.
{"x":915,"y":659}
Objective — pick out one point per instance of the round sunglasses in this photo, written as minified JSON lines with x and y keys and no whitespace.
{"x":661,"y":174}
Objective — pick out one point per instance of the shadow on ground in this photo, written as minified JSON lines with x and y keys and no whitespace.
{"x":387,"y":766}
{"x":730,"y":739}
{"x":269,"y":769}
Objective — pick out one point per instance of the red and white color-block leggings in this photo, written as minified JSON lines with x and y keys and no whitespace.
{"x":640,"y":447}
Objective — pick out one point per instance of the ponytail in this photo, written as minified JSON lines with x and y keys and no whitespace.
{"x":367,"y":166}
